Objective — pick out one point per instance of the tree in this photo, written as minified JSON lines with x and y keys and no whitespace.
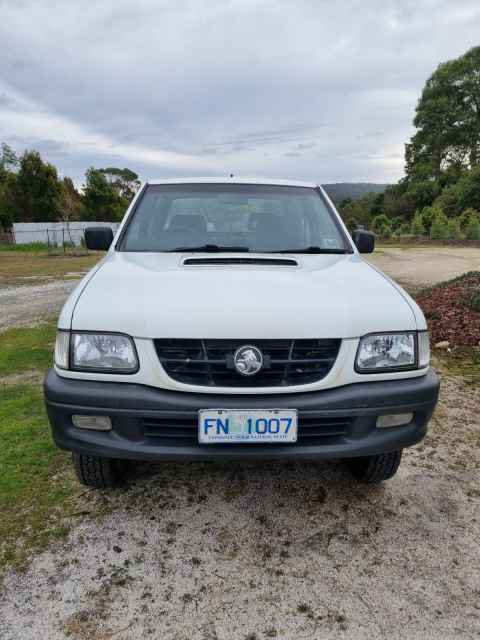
{"x":37,"y":190}
{"x":397,"y":202}
{"x":8,"y":157}
{"x":447,"y":119}
{"x":70,"y":204}
{"x":464,"y":194}
{"x":124,"y":181}
{"x":100,"y":198}
{"x":7,"y":206}
{"x":8,"y":163}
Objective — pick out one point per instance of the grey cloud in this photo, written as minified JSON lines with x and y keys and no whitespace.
{"x":6,"y":100}
{"x":314,"y":90}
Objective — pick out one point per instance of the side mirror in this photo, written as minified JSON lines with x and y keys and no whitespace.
{"x":364,"y":240}
{"x":98,"y":238}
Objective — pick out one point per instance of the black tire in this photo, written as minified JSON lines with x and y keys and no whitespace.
{"x":101,"y":473}
{"x":377,"y":468}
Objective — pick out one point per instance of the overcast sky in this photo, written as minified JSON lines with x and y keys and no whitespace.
{"x":310,"y":89}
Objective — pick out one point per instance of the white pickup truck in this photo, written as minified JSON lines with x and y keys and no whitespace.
{"x":235,"y":318}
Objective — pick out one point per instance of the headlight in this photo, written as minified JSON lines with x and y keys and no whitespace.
{"x":387,"y":351}
{"x":105,"y":352}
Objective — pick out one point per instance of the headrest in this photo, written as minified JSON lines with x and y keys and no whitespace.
{"x":190,"y":222}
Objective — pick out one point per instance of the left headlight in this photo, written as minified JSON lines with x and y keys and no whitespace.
{"x":100,"y":352}
{"x":389,"y":351}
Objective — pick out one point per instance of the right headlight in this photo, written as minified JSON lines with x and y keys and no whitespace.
{"x":396,"y":351}
{"x":96,"y":352}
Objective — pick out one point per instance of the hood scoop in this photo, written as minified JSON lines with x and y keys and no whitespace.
{"x":243,"y":260}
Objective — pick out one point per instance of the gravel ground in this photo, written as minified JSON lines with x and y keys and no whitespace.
{"x":423,"y":266}
{"x":24,"y":306}
{"x":243,"y":551}
{"x":277,"y":550}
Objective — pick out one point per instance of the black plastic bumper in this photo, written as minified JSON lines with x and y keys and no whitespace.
{"x":131,"y":406}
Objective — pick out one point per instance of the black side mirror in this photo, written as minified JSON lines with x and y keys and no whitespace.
{"x":98,"y":238}
{"x":364,"y":240}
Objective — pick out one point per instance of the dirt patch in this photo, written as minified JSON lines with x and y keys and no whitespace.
{"x":33,"y":376}
{"x":419,"y":267}
{"x":285,"y":550}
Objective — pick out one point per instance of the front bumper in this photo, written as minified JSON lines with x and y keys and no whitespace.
{"x":155,"y":424}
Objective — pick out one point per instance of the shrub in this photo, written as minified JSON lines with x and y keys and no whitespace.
{"x":472,"y":300}
{"x":453,"y":229}
{"x":439,"y":228}
{"x":381,"y":225}
{"x":428,"y":215}
{"x":397,"y":223}
{"x":472,"y":230}
{"x":466,"y":217}
{"x":417,"y":227}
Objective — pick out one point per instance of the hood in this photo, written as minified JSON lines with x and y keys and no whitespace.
{"x":150,"y":295}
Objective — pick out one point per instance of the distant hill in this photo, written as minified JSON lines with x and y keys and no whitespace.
{"x":341,"y":190}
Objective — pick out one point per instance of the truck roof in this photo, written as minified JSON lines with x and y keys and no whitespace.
{"x":235,"y":180}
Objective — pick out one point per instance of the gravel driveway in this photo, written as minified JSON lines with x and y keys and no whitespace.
{"x":24,"y":306}
{"x":423,"y":266}
{"x":277,"y":550}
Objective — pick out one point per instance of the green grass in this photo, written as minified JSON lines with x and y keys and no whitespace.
{"x":21,"y":267}
{"x":25,"y":248}
{"x":27,"y":348}
{"x":461,"y":362}
{"x":35,"y":480}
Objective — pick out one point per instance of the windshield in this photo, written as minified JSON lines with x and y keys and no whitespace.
{"x":240,"y":217}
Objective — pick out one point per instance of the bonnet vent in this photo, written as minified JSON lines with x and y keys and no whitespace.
{"x":275,"y":262}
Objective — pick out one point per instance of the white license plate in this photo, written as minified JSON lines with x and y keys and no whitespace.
{"x":240,"y":425}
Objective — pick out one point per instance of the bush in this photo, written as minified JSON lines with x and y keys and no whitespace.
{"x":466,"y":217}
{"x":381,"y":225}
{"x":453,"y":229}
{"x":472,"y":300}
{"x":439,"y":228}
{"x":417,"y":227}
{"x":472,"y":230}
{"x":428,"y":214}
{"x":397,"y":223}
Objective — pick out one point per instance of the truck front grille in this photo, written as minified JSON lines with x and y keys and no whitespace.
{"x":210,"y":362}
{"x":183,"y":431}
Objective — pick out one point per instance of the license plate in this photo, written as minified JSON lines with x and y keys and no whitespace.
{"x":240,"y":425}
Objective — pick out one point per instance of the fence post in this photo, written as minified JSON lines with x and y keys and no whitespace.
{"x":63,"y":239}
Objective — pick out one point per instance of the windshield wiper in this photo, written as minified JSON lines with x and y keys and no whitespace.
{"x":309,"y":250}
{"x":207,"y":248}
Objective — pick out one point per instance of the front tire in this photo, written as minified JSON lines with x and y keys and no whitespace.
{"x":377,"y":468}
{"x":92,"y":471}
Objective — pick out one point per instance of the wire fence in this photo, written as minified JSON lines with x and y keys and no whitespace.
{"x":55,"y":238}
